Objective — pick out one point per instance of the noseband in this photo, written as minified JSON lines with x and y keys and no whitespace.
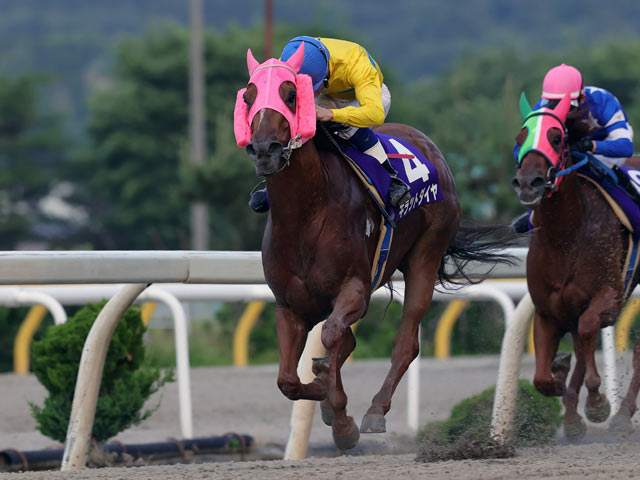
{"x":293,"y":144}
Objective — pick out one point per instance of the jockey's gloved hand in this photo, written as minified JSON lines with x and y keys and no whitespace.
{"x":582,"y":145}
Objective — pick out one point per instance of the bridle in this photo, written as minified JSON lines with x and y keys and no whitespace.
{"x":293,"y":144}
{"x":555,"y":172}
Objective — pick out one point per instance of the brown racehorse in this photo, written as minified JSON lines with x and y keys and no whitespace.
{"x":576,"y":258}
{"x":318,"y":249}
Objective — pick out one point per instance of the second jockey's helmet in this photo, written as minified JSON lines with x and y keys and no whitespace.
{"x":561,"y":80}
{"x":316,"y":58}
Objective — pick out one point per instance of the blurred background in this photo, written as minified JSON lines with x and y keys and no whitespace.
{"x":101,"y":148}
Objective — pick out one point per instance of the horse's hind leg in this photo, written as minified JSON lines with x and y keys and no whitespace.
{"x":292,"y":333}
{"x":418,"y":294}
{"x":349,"y":306}
{"x":621,"y":421}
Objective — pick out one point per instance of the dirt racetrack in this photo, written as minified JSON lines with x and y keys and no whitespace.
{"x":247,"y":401}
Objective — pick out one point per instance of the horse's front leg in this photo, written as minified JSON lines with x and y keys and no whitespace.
{"x":574,"y":426}
{"x":348,"y":307}
{"x":602,"y":311}
{"x":551,"y":372}
{"x":292,"y":334}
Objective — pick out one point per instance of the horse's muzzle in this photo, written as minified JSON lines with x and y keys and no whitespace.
{"x":266,"y":156}
{"x":530,"y":192}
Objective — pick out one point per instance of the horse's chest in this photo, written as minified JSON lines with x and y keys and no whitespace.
{"x":308,"y":289}
{"x":565,"y":296}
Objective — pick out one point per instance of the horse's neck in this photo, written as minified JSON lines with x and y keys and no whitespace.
{"x":299,"y":191}
{"x":561,"y":214}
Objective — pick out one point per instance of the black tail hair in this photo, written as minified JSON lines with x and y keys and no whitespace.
{"x":475,"y":244}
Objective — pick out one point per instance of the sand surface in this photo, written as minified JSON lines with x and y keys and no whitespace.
{"x":247,"y":401}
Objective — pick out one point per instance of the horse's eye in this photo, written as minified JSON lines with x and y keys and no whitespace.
{"x":556,"y":141}
{"x":292,"y":97}
{"x":245,"y":99}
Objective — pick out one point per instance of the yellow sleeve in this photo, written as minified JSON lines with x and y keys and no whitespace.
{"x":368,"y":92}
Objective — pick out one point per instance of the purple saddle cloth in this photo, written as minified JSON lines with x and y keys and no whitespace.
{"x":412,"y":167}
{"x":629,"y":207}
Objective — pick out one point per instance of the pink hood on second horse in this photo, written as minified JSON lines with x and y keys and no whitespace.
{"x":267,"y":77}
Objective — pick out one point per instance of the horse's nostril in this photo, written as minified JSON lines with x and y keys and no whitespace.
{"x":515,"y":184}
{"x":275,"y":147}
{"x":538,"y":182}
{"x":251,"y":150}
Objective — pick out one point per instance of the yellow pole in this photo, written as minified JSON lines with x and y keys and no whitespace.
{"x":147,"y":312}
{"x":623,"y":327}
{"x":23,"y":339}
{"x":242,"y":332}
{"x":530,"y":344}
{"x":445,"y":326}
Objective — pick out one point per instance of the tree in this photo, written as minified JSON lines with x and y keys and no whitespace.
{"x":31,"y":152}
{"x":137,"y":173}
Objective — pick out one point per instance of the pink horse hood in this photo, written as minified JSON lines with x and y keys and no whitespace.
{"x":267,"y":77}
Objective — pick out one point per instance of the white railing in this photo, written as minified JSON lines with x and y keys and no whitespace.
{"x":172,"y":294}
{"x":138,"y":269}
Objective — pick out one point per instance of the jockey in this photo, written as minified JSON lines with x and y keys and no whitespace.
{"x":349,"y":89}
{"x":609,"y":137}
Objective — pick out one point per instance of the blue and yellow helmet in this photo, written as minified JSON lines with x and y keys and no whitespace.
{"x":316,"y":58}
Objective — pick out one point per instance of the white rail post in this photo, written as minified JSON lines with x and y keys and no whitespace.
{"x":413,"y":388}
{"x":55,"y":308}
{"x":504,"y":403}
{"x":182,"y":355}
{"x":609,"y":360}
{"x":85,"y":396}
{"x":302,"y":413}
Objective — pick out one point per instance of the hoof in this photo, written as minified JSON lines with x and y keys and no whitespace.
{"x":621,"y":423}
{"x":345,"y":433}
{"x":600,"y":412}
{"x":327,"y":413}
{"x":575,"y":432}
{"x":373,"y":423}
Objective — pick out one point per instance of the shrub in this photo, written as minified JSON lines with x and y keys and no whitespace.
{"x":126,"y":381}
{"x":536,"y":421}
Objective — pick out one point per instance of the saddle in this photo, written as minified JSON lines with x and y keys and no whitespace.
{"x":412,"y":167}
{"x":610,"y":177}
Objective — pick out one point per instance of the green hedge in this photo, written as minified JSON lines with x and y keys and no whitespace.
{"x":126,"y":381}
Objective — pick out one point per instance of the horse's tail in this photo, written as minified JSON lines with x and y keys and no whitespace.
{"x":475,"y":244}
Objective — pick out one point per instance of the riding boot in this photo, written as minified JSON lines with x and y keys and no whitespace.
{"x":258,"y":200}
{"x":521,"y":223}
{"x":398,"y":190}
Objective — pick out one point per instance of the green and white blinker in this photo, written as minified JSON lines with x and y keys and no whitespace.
{"x":538,"y":123}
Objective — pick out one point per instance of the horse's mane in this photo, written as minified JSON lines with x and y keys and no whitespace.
{"x":578,"y":125}
{"x":327,"y":138}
